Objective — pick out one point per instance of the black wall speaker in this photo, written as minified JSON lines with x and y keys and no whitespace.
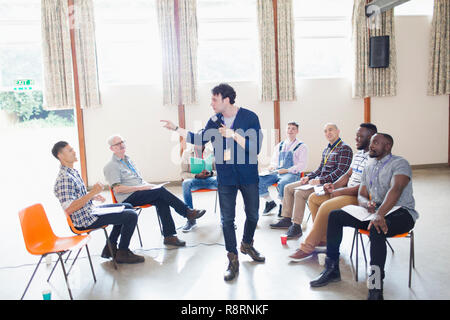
{"x":379,"y":52}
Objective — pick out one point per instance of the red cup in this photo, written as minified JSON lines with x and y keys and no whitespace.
{"x":283,"y":239}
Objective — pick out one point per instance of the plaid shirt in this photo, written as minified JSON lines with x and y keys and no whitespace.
{"x":69,"y":186}
{"x":335,"y":162}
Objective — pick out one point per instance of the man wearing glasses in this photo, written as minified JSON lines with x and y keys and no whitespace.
{"x":129,"y":186}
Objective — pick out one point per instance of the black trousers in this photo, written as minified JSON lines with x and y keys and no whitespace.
{"x":162,"y":199}
{"x":398,"y":222}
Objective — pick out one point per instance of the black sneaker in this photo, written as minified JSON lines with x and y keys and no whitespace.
{"x":269,"y":206}
{"x":284,"y":223}
{"x":294,"y":231}
{"x":190,"y":225}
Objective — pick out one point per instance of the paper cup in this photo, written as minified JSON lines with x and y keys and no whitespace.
{"x":322,"y":257}
{"x":283,"y":239}
{"x":47,"y":295}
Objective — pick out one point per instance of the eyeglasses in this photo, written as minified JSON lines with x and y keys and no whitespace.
{"x":118,"y":144}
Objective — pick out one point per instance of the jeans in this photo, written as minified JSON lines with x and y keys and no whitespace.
{"x":227,"y":201}
{"x":124,"y":224}
{"x":282,"y":179}
{"x":162,"y":199}
{"x":398,"y":222}
{"x":190,"y":185}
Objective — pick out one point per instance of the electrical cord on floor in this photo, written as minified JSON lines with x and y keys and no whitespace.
{"x":138,"y":249}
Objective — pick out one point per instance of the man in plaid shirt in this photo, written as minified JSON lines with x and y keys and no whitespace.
{"x":77,"y":203}
{"x":336,"y":160}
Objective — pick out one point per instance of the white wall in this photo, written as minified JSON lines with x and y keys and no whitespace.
{"x":417,"y":122}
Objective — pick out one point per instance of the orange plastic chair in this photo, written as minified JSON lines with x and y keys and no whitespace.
{"x":138,"y":210}
{"x":209,"y":190}
{"x":410,"y":235}
{"x":40,"y":240}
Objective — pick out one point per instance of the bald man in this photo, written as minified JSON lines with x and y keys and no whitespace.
{"x":336,"y":160}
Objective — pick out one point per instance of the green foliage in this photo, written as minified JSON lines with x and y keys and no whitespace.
{"x":28,"y":108}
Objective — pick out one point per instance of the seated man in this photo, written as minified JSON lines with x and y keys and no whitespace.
{"x":336,"y":160}
{"x":288,"y":162}
{"x":77,"y":203}
{"x":194,"y":179}
{"x":129,"y":186}
{"x":337,"y":195}
{"x":385,"y":190}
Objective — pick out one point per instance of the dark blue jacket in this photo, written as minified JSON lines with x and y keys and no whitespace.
{"x":243,"y":166}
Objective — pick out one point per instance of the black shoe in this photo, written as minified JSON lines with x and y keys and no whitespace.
{"x":279,"y":211}
{"x":269,"y":206}
{"x":294,"y":231}
{"x":284,"y":223}
{"x":233,"y":267}
{"x":106,"y":253}
{"x":247,"y":248}
{"x":375,"y":294}
{"x":330,"y":274}
{"x":126,"y":256}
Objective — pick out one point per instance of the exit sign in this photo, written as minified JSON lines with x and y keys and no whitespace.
{"x":23,"y":84}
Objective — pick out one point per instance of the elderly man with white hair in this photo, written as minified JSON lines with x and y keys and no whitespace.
{"x":129,"y":186}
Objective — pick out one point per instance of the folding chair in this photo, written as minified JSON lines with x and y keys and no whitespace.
{"x":138,"y":210}
{"x":40,"y":240}
{"x":409,"y":235}
{"x":209,"y":190}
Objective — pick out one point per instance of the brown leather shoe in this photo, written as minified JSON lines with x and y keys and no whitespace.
{"x":194,"y":214}
{"x":233,"y":267}
{"x":126,"y":256}
{"x":299,"y":255}
{"x":247,"y":248}
{"x":174,"y":241}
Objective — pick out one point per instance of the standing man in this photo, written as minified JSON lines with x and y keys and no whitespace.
{"x":337,"y":195}
{"x":129,"y":186}
{"x":336,"y":160}
{"x":288,"y":162}
{"x":235,"y":133}
{"x":77,"y":203}
{"x":385,"y":186}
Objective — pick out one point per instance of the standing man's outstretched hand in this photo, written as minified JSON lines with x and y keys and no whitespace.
{"x":169,"y":125}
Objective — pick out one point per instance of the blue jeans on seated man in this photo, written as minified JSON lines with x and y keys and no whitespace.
{"x":282,"y":179}
{"x":227,"y":201}
{"x":190,"y":185}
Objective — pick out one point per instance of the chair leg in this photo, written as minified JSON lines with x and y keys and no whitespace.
{"x":215,"y":203}
{"x":53,"y":269}
{"x":411,"y":257}
{"x":353,"y":242}
{"x":74,"y":260}
{"x":110,"y":248}
{"x":160,"y":224}
{"x":65,"y":275}
{"x":32,"y":276}
{"x":363,"y":249}
{"x":137,"y":227}
{"x":356,"y":263}
{"x":67,"y":258}
{"x":90,"y":263}
{"x":390,"y":246}
{"x":413,"y":249}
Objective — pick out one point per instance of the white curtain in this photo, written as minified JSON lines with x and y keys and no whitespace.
{"x":286,"y":46}
{"x":179,"y":59}
{"x":372,"y":82}
{"x":439,"y":63}
{"x":57,"y":54}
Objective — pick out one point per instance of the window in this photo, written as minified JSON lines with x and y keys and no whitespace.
{"x":322,"y":38}
{"x":228,"y":40}
{"x":21,"y":74}
{"x":128,"y":45}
